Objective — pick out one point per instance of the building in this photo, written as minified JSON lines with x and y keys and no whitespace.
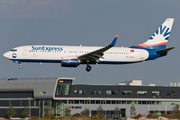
{"x":58,"y":93}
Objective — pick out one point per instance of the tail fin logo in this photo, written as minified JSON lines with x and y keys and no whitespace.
{"x":160,"y":37}
{"x":161,"y":31}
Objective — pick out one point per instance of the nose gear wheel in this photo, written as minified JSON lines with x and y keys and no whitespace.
{"x":88,"y":68}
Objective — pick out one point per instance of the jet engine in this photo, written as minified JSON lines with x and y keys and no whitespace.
{"x":69,"y":62}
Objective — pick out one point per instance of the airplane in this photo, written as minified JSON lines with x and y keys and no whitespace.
{"x":73,"y":56}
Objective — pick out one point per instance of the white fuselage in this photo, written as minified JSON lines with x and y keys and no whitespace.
{"x":46,"y":53}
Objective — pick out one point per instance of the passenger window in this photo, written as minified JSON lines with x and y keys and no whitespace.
{"x":13,"y":50}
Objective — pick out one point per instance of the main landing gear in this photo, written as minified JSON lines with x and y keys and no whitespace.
{"x":88,"y":68}
{"x":20,"y":66}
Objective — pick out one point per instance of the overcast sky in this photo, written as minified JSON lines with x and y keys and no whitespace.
{"x":90,"y":23}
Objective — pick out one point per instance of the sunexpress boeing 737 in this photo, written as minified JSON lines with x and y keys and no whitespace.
{"x":72,"y":56}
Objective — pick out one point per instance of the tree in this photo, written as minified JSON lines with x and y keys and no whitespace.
{"x":176,"y":111}
{"x":85,"y":112}
{"x":175,"y":108}
{"x":11,"y":112}
{"x":116,"y":111}
{"x":25,"y":113}
{"x":67,"y":111}
{"x":100,"y":110}
{"x":132,"y":110}
{"x":48,"y":113}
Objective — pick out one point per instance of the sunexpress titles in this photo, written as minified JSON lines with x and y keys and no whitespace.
{"x":47,"y":48}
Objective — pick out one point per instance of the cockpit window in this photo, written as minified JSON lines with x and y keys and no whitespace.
{"x":13,"y":50}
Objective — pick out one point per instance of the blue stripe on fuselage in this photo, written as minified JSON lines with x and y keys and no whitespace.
{"x":151,"y":47}
{"x":37,"y":60}
{"x":59,"y":61}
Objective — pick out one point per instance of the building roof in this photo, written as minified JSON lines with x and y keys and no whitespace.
{"x":43,"y":88}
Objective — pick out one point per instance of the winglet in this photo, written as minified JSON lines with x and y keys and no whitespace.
{"x":114,"y":41}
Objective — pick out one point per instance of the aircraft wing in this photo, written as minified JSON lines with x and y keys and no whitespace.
{"x":95,"y":55}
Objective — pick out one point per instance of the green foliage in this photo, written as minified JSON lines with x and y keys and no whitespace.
{"x":132,"y":110}
{"x":53,"y":117}
{"x":25,"y":113}
{"x":85,"y":112}
{"x":50,"y":117}
{"x":60,"y":118}
{"x":48,"y":114}
{"x":100,"y":110}
{"x":67,"y":111}
{"x":138,"y":116}
{"x":76,"y":115}
{"x":176,"y":107}
{"x":152,"y":116}
{"x":35,"y":118}
{"x":169,"y":116}
{"x":11,"y":112}
{"x":116,"y":111}
{"x":47,"y":111}
{"x":97,"y":117}
{"x":176,"y":111}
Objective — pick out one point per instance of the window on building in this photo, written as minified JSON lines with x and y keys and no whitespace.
{"x":25,"y":103}
{"x":95,"y":92}
{"x":71,"y":101}
{"x":4,"y":103}
{"x":114,"y":102}
{"x":43,"y":92}
{"x":93,"y":101}
{"x":119,"y":102}
{"x":108,"y":102}
{"x":123,"y":102}
{"x":126,"y":92}
{"x":97,"y":101}
{"x":144,"y":102}
{"x":15,"y":102}
{"x":156,"y":93}
{"x":81,"y":101}
{"x":128,"y":102}
{"x":86,"y":102}
{"x":172,"y":93}
{"x":103,"y":102}
{"x":76,"y":101}
{"x":79,"y":92}
{"x":111,"y":92}
{"x":141,"y":92}
{"x":63,"y":88}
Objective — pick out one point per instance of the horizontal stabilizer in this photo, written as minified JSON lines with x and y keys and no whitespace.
{"x":164,"y":50}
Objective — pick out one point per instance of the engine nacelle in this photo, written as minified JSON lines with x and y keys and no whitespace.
{"x":69,"y":62}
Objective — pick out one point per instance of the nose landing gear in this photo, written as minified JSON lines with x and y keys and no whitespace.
{"x":20,"y":66}
{"x":88,"y":68}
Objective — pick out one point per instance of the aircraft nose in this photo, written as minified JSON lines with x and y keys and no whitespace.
{"x":6,"y":55}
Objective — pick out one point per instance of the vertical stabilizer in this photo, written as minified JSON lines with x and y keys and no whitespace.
{"x":160,"y":38}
